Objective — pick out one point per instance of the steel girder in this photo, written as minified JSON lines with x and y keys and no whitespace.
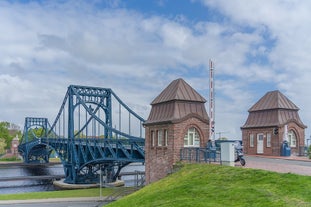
{"x":82,"y":158}
{"x":91,"y":152}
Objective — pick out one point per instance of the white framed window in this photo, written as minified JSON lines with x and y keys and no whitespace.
{"x":268,"y":140}
{"x":160,"y":138}
{"x":152,"y":138}
{"x":165,"y":137}
{"x":291,"y":138}
{"x":192,"y":138}
{"x":251,"y":140}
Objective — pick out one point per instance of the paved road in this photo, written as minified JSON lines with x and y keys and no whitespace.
{"x":296,"y":165}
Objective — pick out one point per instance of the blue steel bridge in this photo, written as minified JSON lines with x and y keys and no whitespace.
{"x":94,"y":132}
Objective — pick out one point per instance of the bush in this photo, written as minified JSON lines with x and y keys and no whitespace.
{"x":10,"y":159}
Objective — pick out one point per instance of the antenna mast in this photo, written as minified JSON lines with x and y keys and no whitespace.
{"x":211,"y":102}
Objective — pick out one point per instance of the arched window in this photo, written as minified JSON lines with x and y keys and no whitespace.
{"x":292,"y":140}
{"x":192,"y":138}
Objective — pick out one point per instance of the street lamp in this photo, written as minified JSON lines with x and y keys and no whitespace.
{"x":100,"y":183}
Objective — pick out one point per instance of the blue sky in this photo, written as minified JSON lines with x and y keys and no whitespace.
{"x":137,"y":47}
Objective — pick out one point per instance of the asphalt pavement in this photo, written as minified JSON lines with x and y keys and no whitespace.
{"x":293,"y":164}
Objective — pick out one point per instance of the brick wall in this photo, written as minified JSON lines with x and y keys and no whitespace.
{"x":276,"y":140}
{"x":160,"y":159}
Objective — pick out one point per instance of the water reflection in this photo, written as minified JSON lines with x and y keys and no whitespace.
{"x":21,"y":186}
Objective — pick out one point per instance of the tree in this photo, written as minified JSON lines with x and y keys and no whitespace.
{"x":35,"y":132}
{"x":2,"y":146}
{"x":4,"y":133}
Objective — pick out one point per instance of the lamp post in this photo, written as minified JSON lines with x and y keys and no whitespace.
{"x":100,"y":183}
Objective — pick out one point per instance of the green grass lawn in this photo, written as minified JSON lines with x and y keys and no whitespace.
{"x":213,"y":185}
{"x":92,"y":192}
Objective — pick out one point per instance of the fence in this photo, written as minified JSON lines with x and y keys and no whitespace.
{"x":196,"y":154}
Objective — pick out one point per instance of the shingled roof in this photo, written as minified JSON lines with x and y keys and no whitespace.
{"x":178,"y":90}
{"x":177,"y":102}
{"x":273,"y":109}
{"x":273,"y":100}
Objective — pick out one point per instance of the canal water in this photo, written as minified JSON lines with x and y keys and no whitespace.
{"x":21,"y":186}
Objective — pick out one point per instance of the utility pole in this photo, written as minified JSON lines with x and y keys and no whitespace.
{"x":211,"y":102}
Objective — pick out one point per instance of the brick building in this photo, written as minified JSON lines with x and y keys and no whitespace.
{"x":273,"y":119}
{"x":177,"y":119}
{"x":14,"y":146}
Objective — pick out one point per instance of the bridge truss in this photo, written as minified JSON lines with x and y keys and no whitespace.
{"x":93,"y":131}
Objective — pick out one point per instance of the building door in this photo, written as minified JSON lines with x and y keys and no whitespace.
{"x":259,"y":143}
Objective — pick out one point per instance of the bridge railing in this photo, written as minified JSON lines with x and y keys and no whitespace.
{"x":130,"y":149}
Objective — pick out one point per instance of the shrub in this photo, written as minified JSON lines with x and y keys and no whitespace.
{"x":10,"y":159}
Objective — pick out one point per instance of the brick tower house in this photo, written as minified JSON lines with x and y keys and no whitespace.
{"x":177,"y":119}
{"x":272,"y":120}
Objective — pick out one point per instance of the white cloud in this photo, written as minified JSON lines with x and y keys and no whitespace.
{"x":284,"y":27}
{"x":45,"y":47}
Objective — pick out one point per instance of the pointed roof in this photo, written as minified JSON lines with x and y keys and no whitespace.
{"x":176,"y":103}
{"x":273,"y":109}
{"x":178,"y":90}
{"x":273,"y":100}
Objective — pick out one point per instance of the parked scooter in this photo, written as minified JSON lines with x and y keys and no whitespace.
{"x":239,"y":153}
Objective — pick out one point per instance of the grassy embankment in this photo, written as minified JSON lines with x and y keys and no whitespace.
{"x":16,"y":159}
{"x":92,"y":192}
{"x":214,"y":185}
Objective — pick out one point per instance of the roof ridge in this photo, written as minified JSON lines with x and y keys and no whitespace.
{"x":273,"y":100}
{"x":178,"y":90}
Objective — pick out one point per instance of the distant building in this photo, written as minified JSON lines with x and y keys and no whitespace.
{"x":177,"y":119}
{"x":13,"y":126}
{"x":273,"y":119}
{"x":14,"y":146}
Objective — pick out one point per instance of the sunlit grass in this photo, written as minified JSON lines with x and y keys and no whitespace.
{"x":214,"y":185}
{"x":92,"y":192}
{"x":10,"y":159}
{"x":54,"y":160}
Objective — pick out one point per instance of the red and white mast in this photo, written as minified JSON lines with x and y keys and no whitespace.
{"x":211,"y":102}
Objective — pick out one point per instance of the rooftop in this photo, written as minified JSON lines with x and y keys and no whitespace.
{"x":178,"y":101}
{"x":273,"y":100}
{"x":178,"y":90}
